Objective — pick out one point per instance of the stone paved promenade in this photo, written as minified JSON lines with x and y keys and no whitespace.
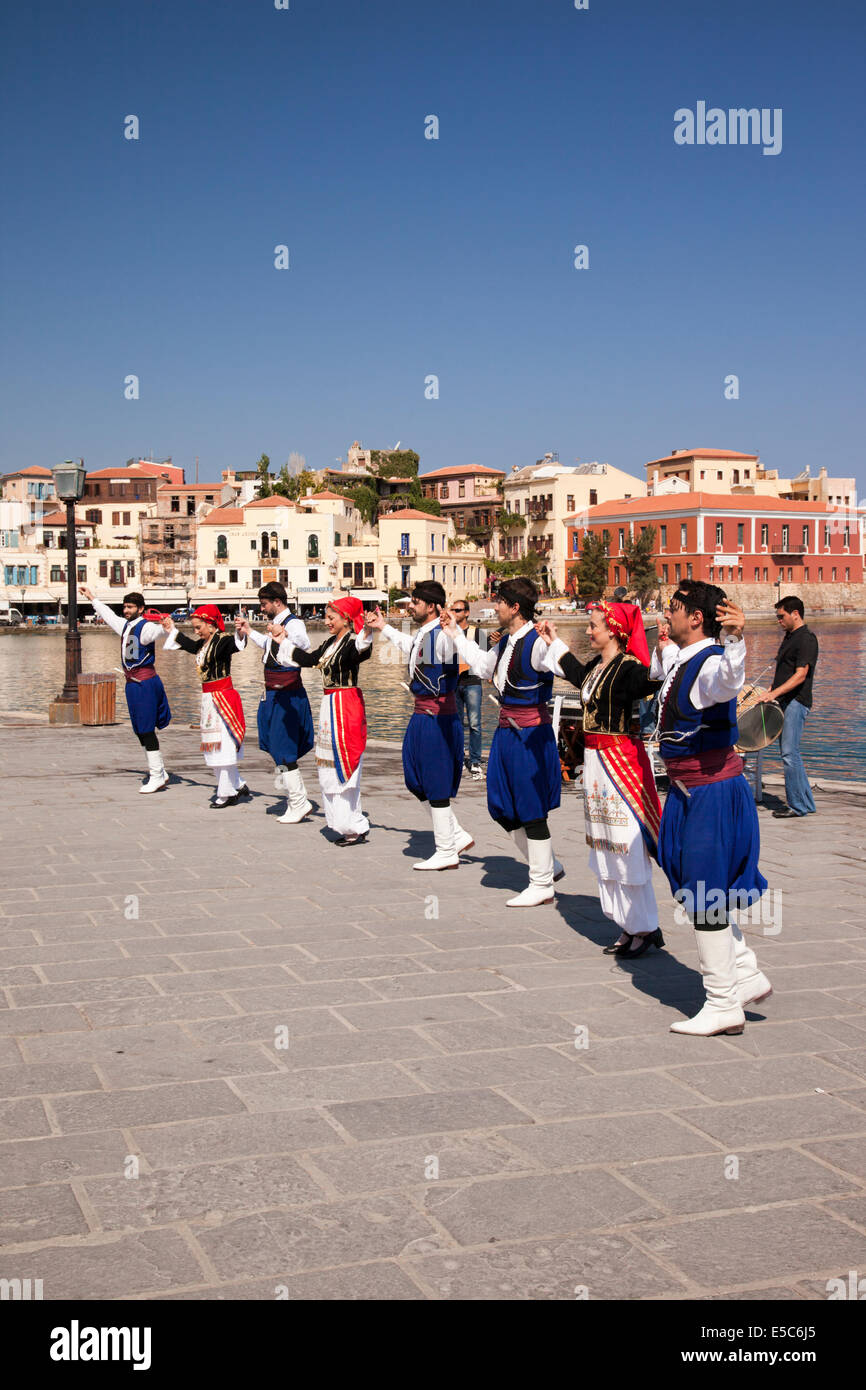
{"x":430,"y":1130}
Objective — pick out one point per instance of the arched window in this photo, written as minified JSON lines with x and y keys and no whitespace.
{"x":275,"y":546}
{"x":312,"y":547}
{"x":265,"y":545}
{"x":222,"y":550}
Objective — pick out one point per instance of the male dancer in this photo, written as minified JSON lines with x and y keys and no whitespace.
{"x":145,"y":694}
{"x":524,"y":776}
{"x":709,"y":840}
{"x":284,"y":719}
{"x":433,"y":742}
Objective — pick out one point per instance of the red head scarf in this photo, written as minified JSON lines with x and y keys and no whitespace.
{"x":351,"y":608}
{"x":625,"y":621}
{"x":210,"y":614}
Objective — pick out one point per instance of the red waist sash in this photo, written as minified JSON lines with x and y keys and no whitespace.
{"x":524,"y":716}
{"x":348,"y":728}
{"x":139,"y":674}
{"x":281,"y":679}
{"x":229,"y":706}
{"x":627,"y":764}
{"x":436,"y":704}
{"x":697,"y":770}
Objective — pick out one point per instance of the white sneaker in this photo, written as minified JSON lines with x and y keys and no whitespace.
{"x":475,"y":772}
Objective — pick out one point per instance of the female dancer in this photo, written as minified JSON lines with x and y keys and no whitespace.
{"x":222,"y":714}
{"x":621,"y":806}
{"x":342,"y":732}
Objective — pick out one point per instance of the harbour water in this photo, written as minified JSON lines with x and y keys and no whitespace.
{"x":32,"y":672}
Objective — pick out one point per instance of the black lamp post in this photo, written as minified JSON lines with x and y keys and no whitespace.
{"x":69,"y":486}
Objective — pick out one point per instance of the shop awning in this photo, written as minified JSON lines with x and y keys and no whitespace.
{"x":371,"y":595}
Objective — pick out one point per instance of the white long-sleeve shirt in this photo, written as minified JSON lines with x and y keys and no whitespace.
{"x":720,"y":679}
{"x":150,"y":633}
{"x":411,"y":645}
{"x":493,"y":665}
{"x":296,"y":636}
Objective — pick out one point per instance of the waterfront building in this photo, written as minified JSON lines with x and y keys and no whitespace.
{"x":414,"y":546}
{"x":165,"y":471}
{"x":756,"y":547}
{"x":33,"y":486}
{"x":272,"y":538}
{"x":543,"y":495}
{"x":471,"y":496}
{"x":117,"y":500}
{"x":725,"y":470}
{"x":168,"y":539}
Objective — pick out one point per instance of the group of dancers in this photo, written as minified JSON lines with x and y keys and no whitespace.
{"x":706,"y":840}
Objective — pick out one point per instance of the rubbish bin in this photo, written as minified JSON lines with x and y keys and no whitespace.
{"x":97,"y":697}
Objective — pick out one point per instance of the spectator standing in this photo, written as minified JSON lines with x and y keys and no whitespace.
{"x":469,"y":691}
{"x":796,"y":660}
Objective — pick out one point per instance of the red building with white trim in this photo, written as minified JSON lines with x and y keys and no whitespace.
{"x":728,"y":539}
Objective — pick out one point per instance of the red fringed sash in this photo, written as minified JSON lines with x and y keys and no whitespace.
{"x":626,"y":763}
{"x":229,"y":706}
{"x":348,"y":729}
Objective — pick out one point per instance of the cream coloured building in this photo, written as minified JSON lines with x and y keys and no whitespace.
{"x":414,"y":546}
{"x":544,"y":495}
{"x":725,"y":470}
{"x":271,"y":538}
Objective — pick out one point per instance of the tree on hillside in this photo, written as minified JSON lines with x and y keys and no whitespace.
{"x":590,"y":572}
{"x":639,"y":563}
{"x":263,"y":468}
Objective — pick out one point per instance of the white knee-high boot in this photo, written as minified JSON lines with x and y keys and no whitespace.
{"x":462,"y":839}
{"x":157,"y":777}
{"x":752,"y":984}
{"x":280,"y":774}
{"x":722,"y":1012}
{"x":446,"y":856}
{"x":299,"y":803}
{"x":521,"y":844}
{"x":540,"y":888}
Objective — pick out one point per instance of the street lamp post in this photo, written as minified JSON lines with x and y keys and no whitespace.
{"x":69,"y":487}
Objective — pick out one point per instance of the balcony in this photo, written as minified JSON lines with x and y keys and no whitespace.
{"x":780,"y":552}
{"x":541,"y":545}
{"x":538,"y":511}
{"x":410,"y":554}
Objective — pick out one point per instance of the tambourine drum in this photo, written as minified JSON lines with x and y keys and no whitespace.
{"x":759,"y":722}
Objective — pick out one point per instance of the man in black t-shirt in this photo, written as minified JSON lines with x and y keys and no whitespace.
{"x":796,"y":660}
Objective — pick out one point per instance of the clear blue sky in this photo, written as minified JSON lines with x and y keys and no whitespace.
{"x":411,"y":257}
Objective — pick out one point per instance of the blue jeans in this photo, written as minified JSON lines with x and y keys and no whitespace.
{"x":469,"y":696}
{"x":798,"y":793}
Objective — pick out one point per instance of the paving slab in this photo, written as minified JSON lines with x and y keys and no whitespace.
{"x":336,"y":1079}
